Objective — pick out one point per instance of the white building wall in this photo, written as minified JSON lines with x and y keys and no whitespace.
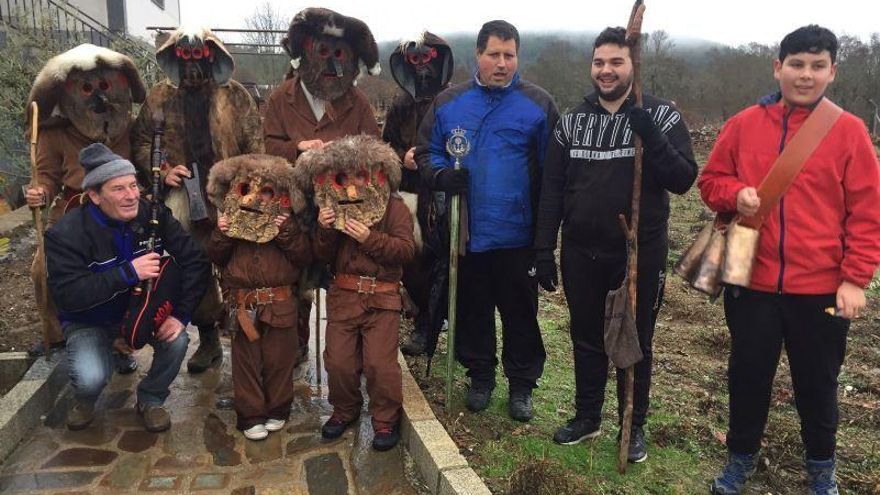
{"x":96,"y":9}
{"x":142,"y":13}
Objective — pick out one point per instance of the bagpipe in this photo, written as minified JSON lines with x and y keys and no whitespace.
{"x":153,"y":300}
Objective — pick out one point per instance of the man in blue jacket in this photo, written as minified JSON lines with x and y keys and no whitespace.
{"x":96,"y":255}
{"x":508,"y":123}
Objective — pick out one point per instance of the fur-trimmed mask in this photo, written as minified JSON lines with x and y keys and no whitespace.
{"x":422,"y":66}
{"x":193,"y":56}
{"x":93,"y":88}
{"x":97,"y":102}
{"x":326,"y":49}
{"x":251,"y":190}
{"x":354,"y":176}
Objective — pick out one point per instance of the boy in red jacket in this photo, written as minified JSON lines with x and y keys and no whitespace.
{"x":818,"y":250}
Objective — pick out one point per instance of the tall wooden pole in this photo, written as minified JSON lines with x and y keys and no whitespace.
{"x":634,"y":41}
{"x":40,"y":256}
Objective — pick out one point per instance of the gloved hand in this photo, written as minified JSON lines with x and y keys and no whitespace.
{"x":642,"y":124}
{"x":545,"y":270}
{"x":452,"y":181}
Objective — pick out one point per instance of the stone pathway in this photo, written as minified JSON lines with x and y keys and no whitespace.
{"x":202,"y":452}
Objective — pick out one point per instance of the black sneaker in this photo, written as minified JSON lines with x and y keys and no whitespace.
{"x":638,"y":449}
{"x":478,"y":397}
{"x":335,"y":427}
{"x":576,"y":431}
{"x":519,"y":406}
{"x":386,"y":437}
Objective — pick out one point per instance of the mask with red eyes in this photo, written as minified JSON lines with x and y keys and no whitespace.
{"x":360,"y":193}
{"x":251,"y":205}
{"x":97,"y":102}
{"x":329,"y":67}
{"x":194,"y":59}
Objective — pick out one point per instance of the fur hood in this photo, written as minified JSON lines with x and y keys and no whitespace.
{"x":315,"y":21}
{"x":275,"y":168}
{"x":223,"y":65}
{"x":403,"y":76}
{"x":47,"y":87}
{"x":347,"y":155}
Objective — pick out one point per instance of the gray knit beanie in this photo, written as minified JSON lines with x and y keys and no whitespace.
{"x":101,"y":165}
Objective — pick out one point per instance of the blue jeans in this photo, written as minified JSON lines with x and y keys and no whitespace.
{"x":90,"y":363}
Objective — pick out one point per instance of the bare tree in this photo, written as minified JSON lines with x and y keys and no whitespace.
{"x":267,"y":20}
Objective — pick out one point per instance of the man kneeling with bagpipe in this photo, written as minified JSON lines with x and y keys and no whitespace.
{"x":111,"y":284}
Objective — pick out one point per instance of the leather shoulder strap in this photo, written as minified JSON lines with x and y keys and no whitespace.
{"x":792,"y":159}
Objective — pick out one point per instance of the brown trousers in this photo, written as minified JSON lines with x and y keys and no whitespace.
{"x":303,"y":327}
{"x":262,"y":375}
{"x":365,"y":344}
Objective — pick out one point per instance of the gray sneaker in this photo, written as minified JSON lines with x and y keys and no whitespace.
{"x":519,"y":406}
{"x":738,"y":470}
{"x":80,"y":416}
{"x":478,"y":397}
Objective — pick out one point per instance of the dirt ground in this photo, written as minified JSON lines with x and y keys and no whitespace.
{"x":19,"y":323}
{"x":689,"y":403}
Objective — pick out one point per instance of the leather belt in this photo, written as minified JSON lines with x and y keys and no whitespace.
{"x":246,"y":299}
{"x":364,"y":285}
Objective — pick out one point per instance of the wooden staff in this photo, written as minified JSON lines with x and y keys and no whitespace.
{"x":634,"y":42}
{"x":40,"y":255}
{"x":318,"y":335}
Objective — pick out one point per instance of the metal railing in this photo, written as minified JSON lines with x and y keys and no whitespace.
{"x":70,"y":26}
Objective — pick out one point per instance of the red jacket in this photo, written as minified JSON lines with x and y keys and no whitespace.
{"x":826,"y":228}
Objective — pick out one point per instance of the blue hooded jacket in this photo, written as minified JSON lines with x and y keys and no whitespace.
{"x":508,"y":129}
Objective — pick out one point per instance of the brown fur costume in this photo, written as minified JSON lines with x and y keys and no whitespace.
{"x":261,"y":368}
{"x":234,"y":126}
{"x":58,"y":169}
{"x":362,"y":326}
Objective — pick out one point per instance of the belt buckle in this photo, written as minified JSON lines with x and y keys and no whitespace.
{"x":263,"y":296}
{"x":371,"y":287}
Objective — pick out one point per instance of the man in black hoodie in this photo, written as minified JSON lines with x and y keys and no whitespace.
{"x":587,"y":183}
{"x":422,"y":67}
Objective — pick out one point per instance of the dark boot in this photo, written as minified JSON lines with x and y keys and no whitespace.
{"x":418,"y":339}
{"x":820,"y":476}
{"x":209,"y":353}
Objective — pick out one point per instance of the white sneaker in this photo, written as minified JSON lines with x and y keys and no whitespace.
{"x":256,"y":432}
{"x":274,"y":424}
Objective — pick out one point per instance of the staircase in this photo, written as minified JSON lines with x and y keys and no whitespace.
{"x":70,"y":26}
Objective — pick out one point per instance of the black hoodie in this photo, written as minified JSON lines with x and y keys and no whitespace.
{"x":588,"y":178}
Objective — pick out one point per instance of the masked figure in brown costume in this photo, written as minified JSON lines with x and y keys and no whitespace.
{"x":319,"y":102}
{"x":366,"y":233}
{"x":261,"y":250}
{"x":207,"y":117}
{"x":85,"y":96}
{"x":422,"y":67}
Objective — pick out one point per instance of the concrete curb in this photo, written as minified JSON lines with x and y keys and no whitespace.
{"x":15,"y":219}
{"x":24,"y":406}
{"x":444,"y":469}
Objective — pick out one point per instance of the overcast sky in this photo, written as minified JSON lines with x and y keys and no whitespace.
{"x":731,"y":22}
